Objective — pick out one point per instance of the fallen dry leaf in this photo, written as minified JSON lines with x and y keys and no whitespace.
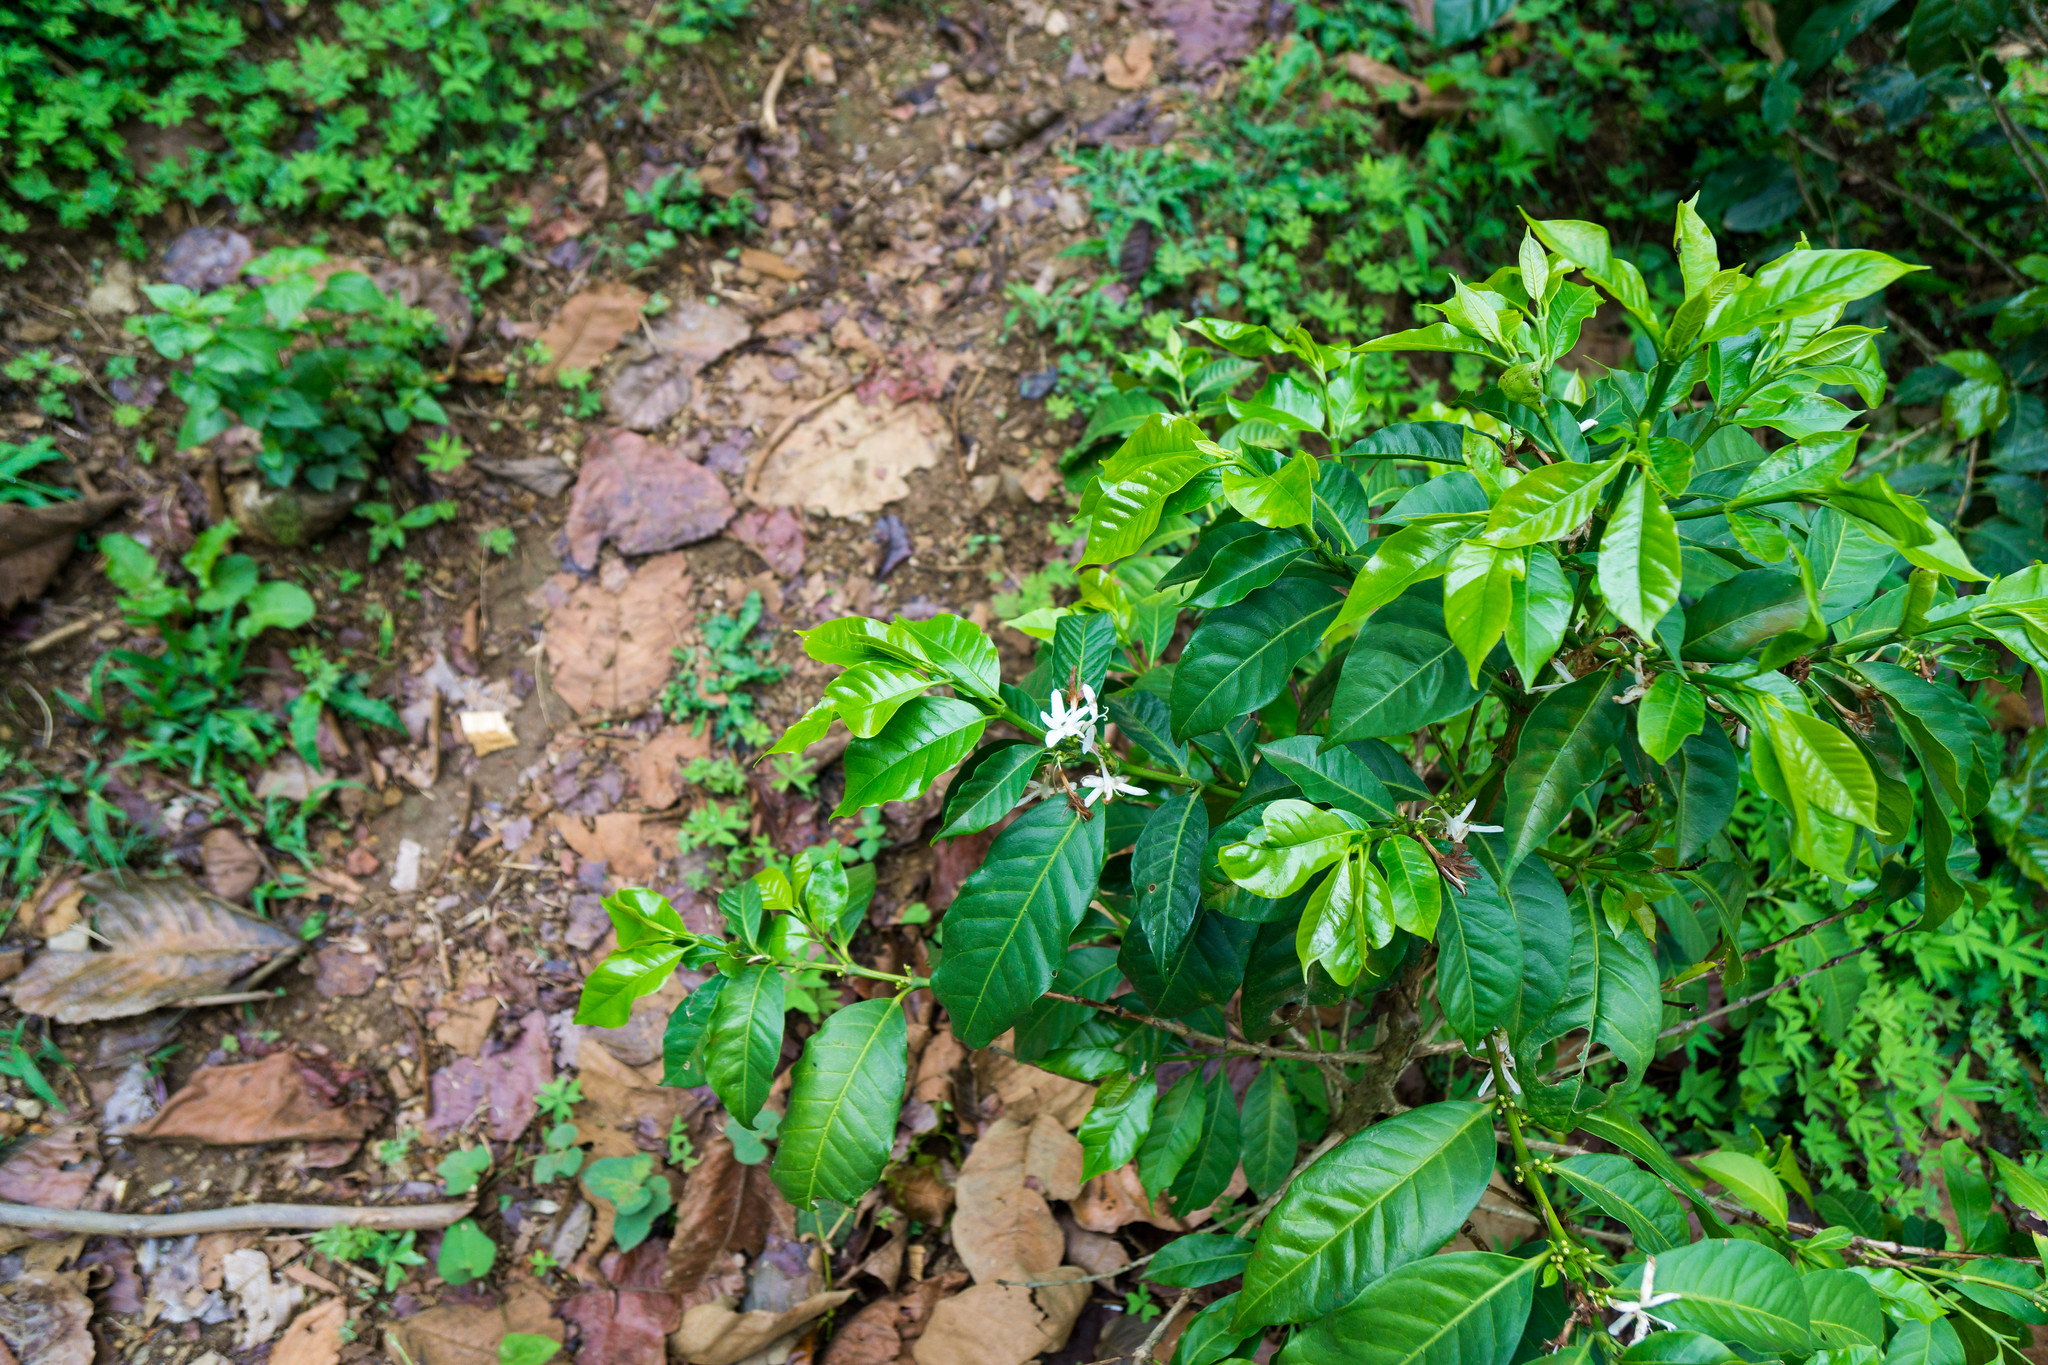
{"x":1039,"y":479}
{"x":1130,"y":69}
{"x":656,"y":766}
{"x":339,"y":971}
{"x":462,"y":1025}
{"x":726,"y":1207}
{"x":768,"y":263}
{"x":624,"y":1101}
{"x":609,"y":650}
{"x":776,"y":535}
{"x":44,"y":1317}
{"x":849,"y":460}
{"x":588,"y":327}
{"x":53,"y":1171}
{"x":542,"y":474}
{"x":167,"y":940}
{"x":592,"y":176}
{"x":921,"y":1192}
{"x":231,"y":867}
{"x":622,"y":1326}
{"x":715,"y":1334}
{"x":437,"y":291}
{"x":1003,"y":1228}
{"x":935,"y":1067}
{"x":880,"y":1332}
{"x":697,"y":331}
{"x":1092,"y":1251}
{"x":501,"y":1086}
{"x":35,"y":542}
{"x":649,"y":392}
{"x":644,"y":498}
{"x":1009,"y":1089}
{"x":997,"y":1324}
{"x":1209,"y":33}
{"x":885,"y":1262}
{"x":266,"y":1303}
{"x":615,"y":839}
{"x":278,"y":1098}
{"x":314,"y":1338}
{"x":469,"y":1334}
{"x":487,"y":731}
{"x":797,"y":322}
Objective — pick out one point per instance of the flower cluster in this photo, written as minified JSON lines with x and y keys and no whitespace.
{"x":1078,"y":720}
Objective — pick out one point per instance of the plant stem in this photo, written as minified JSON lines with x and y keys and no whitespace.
{"x":1525,"y":1164}
{"x":1227,"y":1045}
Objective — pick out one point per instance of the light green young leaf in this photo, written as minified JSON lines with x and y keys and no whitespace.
{"x":1539,"y":611}
{"x":925,"y":737}
{"x":1479,"y":589}
{"x":1409,"y":556}
{"x":1640,"y":571}
{"x":467,"y":1253}
{"x":1755,"y":1185}
{"x":1548,"y":504}
{"x":1671,"y":712}
{"x":1275,"y":500}
{"x":1698,"y":257}
{"x":1414,"y":883}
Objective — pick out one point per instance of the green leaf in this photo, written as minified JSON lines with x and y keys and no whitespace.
{"x":989,"y":787}
{"x":1627,"y":1132}
{"x":1402,"y":675}
{"x":1240,"y":657}
{"x":1118,"y":1120}
{"x":1625,"y":1191}
{"x":1803,"y":283}
{"x":1345,"y":919}
{"x":1843,"y":1310}
{"x":1414,"y":884}
{"x":1384,"y":1197}
{"x":1671,"y":712}
{"x":1398,"y":561}
{"x":1166,"y":871}
{"x":1479,"y":961}
{"x":1613,"y":993}
{"x":1294,"y":842}
{"x":1089,"y":972}
{"x":1972,"y":1199}
{"x":1286,"y":498}
{"x":1214,"y":1157}
{"x":1268,"y":1132}
{"x":1562,"y":751}
{"x":1639,"y":568}
{"x":1082,"y":643}
{"x":1702,"y":782}
{"x":467,"y":1253}
{"x":1007,"y":930}
{"x":867,"y":695}
{"x":1438,"y":336}
{"x":1246,"y":564}
{"x":843,"y":1102}
{"x":744,"y":1042}
{"x":1905,"y":525}
{"x":1738,"y":1291}
{"x":1197,"y":1259}
{"x":1678,"y":1348}
{"x":526,"y":1348}
{"x":462,"y":1168}
{"x":623,"y":977}
{"x":1210,"y":1336}
{"x":1538,"y":612}
{"x":1822,"y":766}
{"x":684,"y":1037}
{"x":639,"y":917}
{"x":1925,"y":1343}
{"x":1148,"y":723}
{"x":286,"y":606}
{"x":1176,"y":1128}
{"x":1479,"y":594}
{"x":1748,"y":1181}
{"x":924,"y":738}
{"x":1549,"y":503}
{"x":1334,"y":776}
{"x":1122,"y":507}
{"x":1464,"y":1308}
{"x":1205,"y":970}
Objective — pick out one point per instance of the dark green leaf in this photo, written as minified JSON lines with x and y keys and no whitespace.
{"x":744,"y":1043}
{"x":1206,"y":970}
{"x":1210,"y":1336}
{"x":1240,"y":657}
{"x":1623,"y":1190}
{"x":1614,"y":993}
{"x":1333,"y":776}
{"x":1082,"y":644}
{"x":1197,"y":1259}
{"x":1268,"y":1131}
{"x":1679,"y":1348}
{"x":843,"y":1102}
{"x":1735,"y":1290}
{"x":1166,"y":872}
{"x":924,"y":738}
{"x":1089,"y":972}
{"x":1148,"y":722}
{"x":1464,"y":1308}
{"x":1118,"y":1121}
{"x":1562,"y":751}
{"x":1007,"y":931}
{"x":1402,"y":674}
{"x":1438,"y":442}
{"x":1742,"y":614}
{"x":1176,"y":1128}
{"x":1843,"y":1310}
{"x":1479,"y":961}
{"x":1383,"y":1198}
{"x":1702,"y":780}
{"x":989,"y":787}
{"x":1216,"y":1152}
{"x":1246,"y":564}
{"x":687,"y":1025}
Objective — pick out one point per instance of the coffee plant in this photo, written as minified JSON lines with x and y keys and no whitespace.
{"x":1442,"y":773}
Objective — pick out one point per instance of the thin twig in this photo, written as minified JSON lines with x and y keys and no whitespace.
{"x":240,"y":1218}
{"x":749,"y":483}
{"x":1230,"y":1045}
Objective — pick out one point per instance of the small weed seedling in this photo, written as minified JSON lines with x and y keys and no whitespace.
{"x":16,"y":461}
{"x":39,"y":809}
{"x":712,"y":678}
{"x":392,"y":1253}
{"x":388,"y":527}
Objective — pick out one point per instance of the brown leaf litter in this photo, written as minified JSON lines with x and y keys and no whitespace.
{"x":314,"y":1338}
{"x":850,"y":458}
{"x":54,"y":1170}
{"x":45,"y":1317}
{"x":608,"y":641}
{"x":496,"y":1090}
{"x":589,"y":326}
{"x":167,"y":940}
{"x":718,"y":1334}
{"x":469,"y":1333}
{"x":658,"y":383}
{"x":35,"y":542}
{"x":656,"y":766}
{"x":643,"y":497}
{"x":280,"y":1098}
{"x":883,"y":1332}
{"x":777,"y":535}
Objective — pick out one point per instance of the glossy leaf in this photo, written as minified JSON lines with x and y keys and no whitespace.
{"x":744,"y":1044}
{"x":1562,"y":751}
{"x":1245,"y":565}
{"x":1539,"y":610}
{"x":1268,"y":1131}
{"x":1672,"y":711}
{"x":1747,"y":1180}
{"x":1625,"y":1191}
{"x":1197,"y":1259}
{"x":1414,"y":883}
{"x":1735,"y":1290}
{"x":1384,"y":1197}
{"x":989,"y":787}
{"x":1116,"y":1123}
{"x":1176,"y":1128}
{"x":1240,"y":657}
{"x":922,"y":740}
{"x":687,"y":1026}
{"x":1007,"y":930}
{"x":843,"y":1102}
{"x":1639,"y":569}
{"x":1464,"y":1308}
{"x":1549,"y":503}
{"x":1843,"y":1310}
{"x":1331,"y":776}
{"x":1613,"y":993}
{"x":1214,"y":1156}
{"x":1166,"y":871}
{"x":623,"y":977}
{"x":1402,"y":675}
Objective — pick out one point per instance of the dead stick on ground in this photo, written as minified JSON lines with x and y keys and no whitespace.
{"x":241,"y":1218}
{"x":769,"y":124}
{"x":773,"y":443}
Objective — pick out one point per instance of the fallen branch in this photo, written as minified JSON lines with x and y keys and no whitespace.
{"x":238,"y":1218}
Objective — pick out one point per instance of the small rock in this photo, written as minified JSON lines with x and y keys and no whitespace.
{"x":1057,"y":23}
{"x":405,"y":877}
{"x":207,"y":257}
{"x":1037,"y":385}
{"x":818,"y":65}
{"x":114,"y":295}
{"x":290,"y":517}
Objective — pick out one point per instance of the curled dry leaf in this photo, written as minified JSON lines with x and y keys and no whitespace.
{"x":726,"y":1207}
{"x":609,"y":650}
{"x":588,"y":327}
{"x":167,"y":940}
{"x":1130,"y":69}
{"x":592,"y":176}
{"x":500,"y":1087}
{"x":1010,"y":1089}
{"x":53,"y":1171}
{"x":279,"y":1098}
{"x":716,"y":1334}
{"x":999,"y":1324}
{"x":776,"y":535}
{"x":35,"y":542}
{"x":882,"y":1332}
{"x":44,"y":1317}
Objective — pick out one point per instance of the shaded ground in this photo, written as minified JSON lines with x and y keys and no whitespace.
{"x":829,"y":421}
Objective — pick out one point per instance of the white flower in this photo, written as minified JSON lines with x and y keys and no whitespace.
{"x":1457,"y":827}
{"x":1641,"y":686}
{"x":1562,"y":672}
{"x":1071,"y":722}
{"x":1636,"y":1321}
{"x":1589,"y":423}
{"x":1507,"y":1066}
{"x":1107,"y":786}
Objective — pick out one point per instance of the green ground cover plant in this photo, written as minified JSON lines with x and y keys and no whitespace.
{"x":388,"y":109}
{"x":1449,"y":768}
